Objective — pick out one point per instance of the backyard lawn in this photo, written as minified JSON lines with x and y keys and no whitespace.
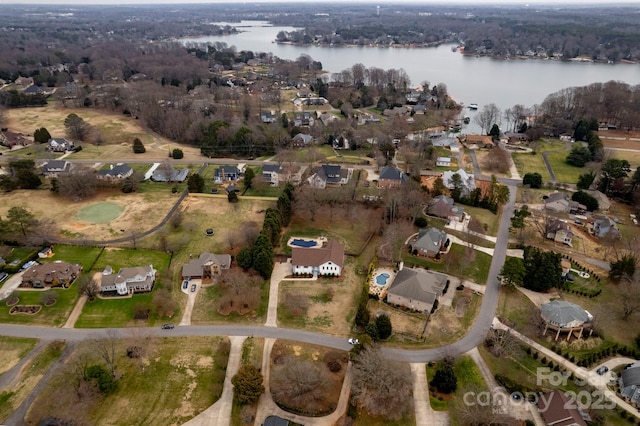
{"x":85,"y":256}
{"x":457,"y":262}
{"x":126,"y":258}
{"x":531,"y":163}
{"x":564,"y":171}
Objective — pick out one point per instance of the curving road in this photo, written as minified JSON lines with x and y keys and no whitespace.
{"x":475,"y":336}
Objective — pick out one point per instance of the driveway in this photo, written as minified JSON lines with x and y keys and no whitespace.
{"x":280,"y":270}
{"x":425,"y":415}
{"x":191,"y":300}
{"x":10,"y":285}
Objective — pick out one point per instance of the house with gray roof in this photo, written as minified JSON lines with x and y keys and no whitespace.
{"x":206,"y":266}
{"x":468,"y":181}
{"x":115,"y":173}
{"x":604,"y":226}
{"x":562,"y":316}
{"x":443,"y":206}
{"x":167,"y":173}
{"x":226,"y":174}
{"x":560,"y":202}
{"x":559,"y":231}
{"x":391,"y":177}
{"x":429,"y":242}
{"x":416,"y":289}
{"x":128,"y":280}
{"x":630,"y":383}
{"x":329,"y":174}
{"x":301,"y":140}
{"x":53,"y":168}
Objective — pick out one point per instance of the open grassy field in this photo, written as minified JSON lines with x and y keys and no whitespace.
{"x":117,"y":130}
{"x":13,"y":349}
{"x":330,"y":303}
{"x":489,"y":220}
{"x":115,"y":312}
{"x":126,"y":258}
{"x":30,"y":376}
{"x":531,"y":163}
{"x":85,"y":256}
{"x":563,"y":171}
{"x":174,"y":380}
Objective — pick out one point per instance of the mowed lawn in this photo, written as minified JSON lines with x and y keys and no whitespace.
{"x":531,"y":163}
{"x":476,"y":269}
{"x":125,"y":258}
{"x":85,"y":256}
{"x":564,"y":171}
{"x":115,"y":312}
{"x":485,"y":217}
{"x":52,"y":316}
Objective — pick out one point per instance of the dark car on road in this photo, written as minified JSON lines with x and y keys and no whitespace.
{"x":185,"y":284}
{"x":167,"y":326}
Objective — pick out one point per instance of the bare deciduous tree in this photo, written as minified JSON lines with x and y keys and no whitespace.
{"x":298,"y":381}
{"x":105,"y":347}
{"x":78,"y":184}
{"x":381,"y":386}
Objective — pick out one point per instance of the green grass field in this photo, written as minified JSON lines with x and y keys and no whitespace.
{"x":531,"y":163}
{"x":54,"y":316}
{"x":476,"y":270}
{"x":563,"y":171}
{"x":126,"y":258}
{"x":115,"y":312}
{"x":100,"y":212}
{"x":85,"y":256}
{"x":486,"y":218}
{"x":468,"y":375}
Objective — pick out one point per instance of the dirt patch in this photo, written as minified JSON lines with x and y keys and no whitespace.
{"x":620,"y":139}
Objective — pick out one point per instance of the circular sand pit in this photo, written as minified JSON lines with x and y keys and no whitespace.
{"x":100,"y":212}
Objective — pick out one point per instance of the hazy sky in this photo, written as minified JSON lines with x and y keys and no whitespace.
{"x":386,"y":2}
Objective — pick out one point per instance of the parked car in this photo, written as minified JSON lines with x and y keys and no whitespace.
{"x":602,"y":370}
{"x":167,"y":326}
{"x":214,"y":191}
{"x":193,"y":287}
{"x":353,"y":341}
{"x":3,"y":276}
{"x":185,"y":284}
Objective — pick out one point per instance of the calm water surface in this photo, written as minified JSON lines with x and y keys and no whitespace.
{"x":469,"y":79}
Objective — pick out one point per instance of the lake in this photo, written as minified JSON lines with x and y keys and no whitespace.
{"x":469,"y":80}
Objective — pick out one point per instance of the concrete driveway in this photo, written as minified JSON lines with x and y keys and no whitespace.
{"x":191,"y":300}
{"x":280,"y":270}
{"x":10,"y":285}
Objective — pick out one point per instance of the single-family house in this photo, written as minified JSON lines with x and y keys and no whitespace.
{"x":13,"y":139}
{"x":327,"y":118}
{"x":46,"y":252}
{"x":24,"y":81}
{"x":416,"y":289}
{"x":51,"y":274}
{"x":481,"y":141}
{"x":560,"y":202}
{"x":467,"y":181}
{"x":60,"y":145}
{"x":34,"y":90}
{"x":271,"y":173}
{"x":305,"y":118}
{"x":604,"y":226}
{"x":167,"y":173}
{"x":443,"y":206}
{"x":325,"y":260}
{"x":53,"y":168}
{"x":115,"y":173}
{"x":226,"y":174}
{"x":562,"y":316}
{"x":328,"y":174}
{"x":128,"y":280}
{"x":301,"y":140}
{"x":206,"y":266}
{"x":396,"y":111}
{"x":445,"y":142}
{"x":558,"y":409}
{"x":391,"y":177}
{"x":443,"y":161}
{"x":559,"y":231}
{"x":630,"y":383}
{"x":268,"y":117}
{"x":429,"y":242}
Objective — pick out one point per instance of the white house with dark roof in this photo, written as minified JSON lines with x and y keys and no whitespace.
{"x":226,"y":174}
{"x":325,"y":260}
{"x":115,"y":173}
{"x":128,"y":280}
{"x":443,"y":161}
{"x":329,"y":174}
{"x":60,"y":145}
{"x":271,"y":173}
{"x":53,"y":168}
{"x":416,"y":289}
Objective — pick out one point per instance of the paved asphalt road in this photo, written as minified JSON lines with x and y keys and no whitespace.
{"x":475,"y":336}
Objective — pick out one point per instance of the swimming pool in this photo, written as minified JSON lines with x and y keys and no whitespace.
{"x":303,"y":243}
{"x":381,"y":279}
